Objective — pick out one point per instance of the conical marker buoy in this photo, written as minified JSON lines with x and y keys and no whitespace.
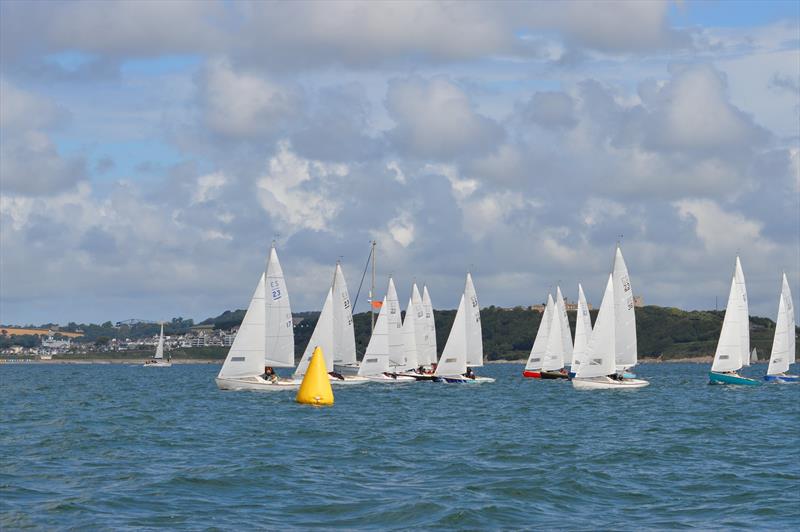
{"x":316,"y":386}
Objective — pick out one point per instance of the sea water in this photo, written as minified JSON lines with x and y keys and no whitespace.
{"x":125,"y":447}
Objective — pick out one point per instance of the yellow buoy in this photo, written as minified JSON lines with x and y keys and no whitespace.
{"x":316,"y":386}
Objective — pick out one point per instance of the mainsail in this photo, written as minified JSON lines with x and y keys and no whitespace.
{"x":566,"y":337}
{"x":160,"y":347}
{"x":728,"y":355}
{"x":744,"y":314}
{"x":536,"y":358}
{"x":583,"y":330}
{"x":783,"y":344}
{"x":473,"y":323}
{"x":625,"y":317}
{"x":430,"y":329}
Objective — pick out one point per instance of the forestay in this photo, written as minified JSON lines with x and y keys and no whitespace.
{"x":783,"y":344}
{"x":536,"y":357}
{"x":600,"y":357}
{"x":728,"y":354}
{"x":625,"y":317}
{"x":453,"y":361}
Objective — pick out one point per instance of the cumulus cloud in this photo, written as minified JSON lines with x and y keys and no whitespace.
{"x":436,"y":119}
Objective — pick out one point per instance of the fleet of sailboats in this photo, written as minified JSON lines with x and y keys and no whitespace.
{"x":403,"y":349}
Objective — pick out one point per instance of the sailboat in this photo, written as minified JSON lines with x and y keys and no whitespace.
{"x":428,"y":354}
{"x":598,"y":369}
{"x":754,"y":356}
{"x":730,"y":355}
{"x":333,"y":333}
{"x":583,"y":331}
{"x":464,"y":347}
{"x":783,"y":345}
{"x":385,"y":353}
{"x":415,"y":338}
{"x":158,"y":359}
{"x":265,"y":338}
{"x":533,"y":368}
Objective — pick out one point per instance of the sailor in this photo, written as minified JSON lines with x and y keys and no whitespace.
{"x":336,"y":375}
{"x":470,"y":374}
{"x":269,"y":374}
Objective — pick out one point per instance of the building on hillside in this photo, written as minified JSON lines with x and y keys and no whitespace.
{"x":638,"y":301}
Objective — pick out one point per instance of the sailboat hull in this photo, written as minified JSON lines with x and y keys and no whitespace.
{"x":607,"y":383}
{"x":349,"y":380}
{"x":725,"y":378}
{"x":460,"y":379}
{"x":255,"y":384}
{"x":346,"y":369}
{"x":418,"y":376}
{"x":532,"y":374}
{"x":390,"y":379}
{"x":782,"y":379}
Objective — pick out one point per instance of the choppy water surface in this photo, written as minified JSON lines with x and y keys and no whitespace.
{"x":130,"y":447}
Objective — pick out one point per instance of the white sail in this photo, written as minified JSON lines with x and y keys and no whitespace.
{"x":566,"y":337}
{"x":160,"y":347}
{"x":600,"y":358}
{"x":783,"y":344}
{"x":344,"y":337}
{"x":583,"y":330}
{"x":754,"y":356}
{"x":394,"y":325}
{"x":554,"y":348}
{"x":728,"y":355}
{"x":744,"y":314}
{"x":246,"y":355}
{"x":376,"y":357}
{"x":625,"y":328}
{"x":430,"y":336}
{"x":536,"y":358}
{"x":474,"y":332}
{"x":323,"y":336}
{"x":410,"y":350}
{"x":420,"y":327}
{"x":279,"y":351}
{"x":454,"y":360}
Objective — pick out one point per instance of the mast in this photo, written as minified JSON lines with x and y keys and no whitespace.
{"x":372,"y":290}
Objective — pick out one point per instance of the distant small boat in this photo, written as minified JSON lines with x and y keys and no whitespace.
{"x":334,"y":334}
{"x":731,"y":352}
{"x":384,"y":353}
{"x":415,"y":339}
{"x":452,"y":367}
{"x":754,"y":356}
{"x":264,"y":339}
{"x":158,"y":359}
{"x":784,"y":342}
{"x":533,"y":367}
{"x":598,"y":369}
{"x":583,"y":331}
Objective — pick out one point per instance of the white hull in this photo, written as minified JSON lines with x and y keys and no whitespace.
{"x":159,"y":364}
{"x":460,"y":379}
{"x":349,"y":380}
{"x":607,"y":383}
{"x":385,"y":379}
{"x":256,"y":384}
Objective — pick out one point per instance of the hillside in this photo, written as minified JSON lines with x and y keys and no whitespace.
{"x":508,"y":333}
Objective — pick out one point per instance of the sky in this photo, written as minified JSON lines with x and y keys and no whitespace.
{"x":150,"y":152}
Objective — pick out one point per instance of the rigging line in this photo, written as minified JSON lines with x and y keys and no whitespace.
{"x":363,"y":275}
